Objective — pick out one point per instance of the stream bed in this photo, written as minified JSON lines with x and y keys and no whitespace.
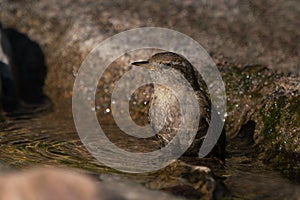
{"x":51,"y":139}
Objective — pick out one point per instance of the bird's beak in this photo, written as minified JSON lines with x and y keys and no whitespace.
{"x":144,"y":64}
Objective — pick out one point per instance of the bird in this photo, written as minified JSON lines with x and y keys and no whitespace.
{"x":163,"y":100}
{"x":27,"y":63}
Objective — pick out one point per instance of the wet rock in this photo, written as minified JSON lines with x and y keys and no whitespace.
{"x":179,"y":179}
{"x":264,"y":107}
{"x":278,"y":128}
{"x":185,"y":180}
{"x":246,"y":87}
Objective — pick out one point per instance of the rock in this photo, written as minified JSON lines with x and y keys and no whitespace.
{"x":8,"y":97}
{"x":127,"y":189}
{"x":47,"y":184}
{"x":246,"y":87}
{"x":186,"y":180}
{"x":278,"y":128}
{"x":27,"y":63}
{"x":179,"y":179}
{"x":266,"y":104}
{"x":64,"y":184}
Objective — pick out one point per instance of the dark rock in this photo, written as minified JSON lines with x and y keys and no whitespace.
{"x":8,"y":97}
{"x":27,"y":61}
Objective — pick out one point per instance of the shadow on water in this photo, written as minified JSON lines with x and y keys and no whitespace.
{"x":247,"y":177}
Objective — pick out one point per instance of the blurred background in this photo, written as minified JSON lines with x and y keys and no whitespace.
{"x":241,"y":32}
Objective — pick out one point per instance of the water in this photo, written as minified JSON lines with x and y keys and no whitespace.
{"x":51,"y":139}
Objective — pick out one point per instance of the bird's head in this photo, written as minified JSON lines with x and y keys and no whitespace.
{"x":169,"y":60}
{"x":164,"y":60}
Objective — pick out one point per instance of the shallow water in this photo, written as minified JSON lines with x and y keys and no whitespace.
{"x":248,"y":178}
{"x":51,"y":139}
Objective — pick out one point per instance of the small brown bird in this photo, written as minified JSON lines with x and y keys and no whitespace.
{"x":164,"y":114}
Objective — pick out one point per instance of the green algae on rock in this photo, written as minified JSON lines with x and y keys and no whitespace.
{"x":278,"y":127}
{"x":245,"y":90}
{"x":256,"y":94}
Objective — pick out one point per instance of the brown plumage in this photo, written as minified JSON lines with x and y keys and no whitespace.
{"x":164,"y":114}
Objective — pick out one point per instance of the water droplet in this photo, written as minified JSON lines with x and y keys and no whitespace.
{"x":113,"y":102}
{"x":168,"y":129}
{"x":134,"y":102}
{"x":107,"y":110}
{"x":145,"y":102}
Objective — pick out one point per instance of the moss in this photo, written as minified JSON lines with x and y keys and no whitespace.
{"x":280,"y":144}
{"x":245,"y":89}
{"x":271,"y":117}
{"x":273,"y":103}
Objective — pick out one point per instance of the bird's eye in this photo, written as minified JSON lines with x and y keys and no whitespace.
{"x":168,"y":64}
